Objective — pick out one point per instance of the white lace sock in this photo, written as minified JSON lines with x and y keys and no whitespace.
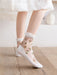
{"x":27,"y":45}
{"x":26,"y":50}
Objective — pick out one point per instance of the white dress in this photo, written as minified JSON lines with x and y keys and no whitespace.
{"x":28,"y":5}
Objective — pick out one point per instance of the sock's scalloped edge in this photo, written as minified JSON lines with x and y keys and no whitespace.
{"x":19,"y":39}
{"x":28,"y":34}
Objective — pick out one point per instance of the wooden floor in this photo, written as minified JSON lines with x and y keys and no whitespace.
{"x":12,"y":65}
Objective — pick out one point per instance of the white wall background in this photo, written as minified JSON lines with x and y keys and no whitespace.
{"x":46,"y":35}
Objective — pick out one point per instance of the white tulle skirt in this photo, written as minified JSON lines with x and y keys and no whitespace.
{"x":28,"y":5}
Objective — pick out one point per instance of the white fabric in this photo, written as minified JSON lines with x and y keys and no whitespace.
{"x":20,"y":39}
{"x":27,"y":5}
{"x":28,"y":34}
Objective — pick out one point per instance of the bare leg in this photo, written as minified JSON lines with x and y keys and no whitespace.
{"x":20,"y":26}
{"x":35,"y":21}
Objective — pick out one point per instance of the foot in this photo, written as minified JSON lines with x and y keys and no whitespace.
{"x":26,"y":47}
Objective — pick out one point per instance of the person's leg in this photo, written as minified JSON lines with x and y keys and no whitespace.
{"x":35,"y":21}
{"x":20,"y":25}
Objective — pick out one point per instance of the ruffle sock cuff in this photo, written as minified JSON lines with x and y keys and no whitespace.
{"x":28,"y":34}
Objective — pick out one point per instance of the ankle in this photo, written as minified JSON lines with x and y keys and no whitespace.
{"x":27,"y":43}
{"x":30,"y":39}
{"x":19,"y":40}
{"x":18,"y":43}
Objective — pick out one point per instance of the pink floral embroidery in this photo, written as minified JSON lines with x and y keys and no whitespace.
{"x":27,"y":44}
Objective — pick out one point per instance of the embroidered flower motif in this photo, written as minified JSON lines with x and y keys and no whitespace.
{"x":27,"y":44}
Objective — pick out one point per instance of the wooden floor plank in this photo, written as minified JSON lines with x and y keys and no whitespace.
{"x":27,"y":69}
{"x":8,"y":64}
{"x":12,"y":65}
{"x":48,"y":68}
{"x":51,"y":54}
